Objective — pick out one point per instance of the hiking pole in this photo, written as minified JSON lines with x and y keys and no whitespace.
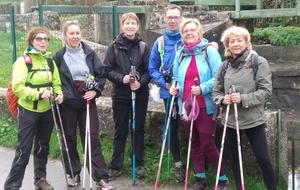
{"x":222,"y":144}
{"x":64,"y":140}
{"x":55,"y":124}
{"x":164,"y":141}
{"x":169,"y":149}
{"x":132,"y":79}
{"x":190,"y":137}
{"x":87,"y":144}
{"x":58,"y":139}
{"x":238,"y":140}
{"x":164,"y":131}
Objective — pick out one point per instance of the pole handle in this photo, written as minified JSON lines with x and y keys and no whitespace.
{"x":196,"y":81}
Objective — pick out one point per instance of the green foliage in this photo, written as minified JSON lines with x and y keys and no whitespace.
{"x":280,"y":36}
{"x":8,"y":132}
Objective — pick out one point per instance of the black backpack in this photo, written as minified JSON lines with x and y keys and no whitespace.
{"x":253,"y":65}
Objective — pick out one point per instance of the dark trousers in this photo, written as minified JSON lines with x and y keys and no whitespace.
{"x":31,"y":126}
{"x":203,"y":142}
{"x":121,"y":112}
{"x":258,"y":142}
{"x":174,"y":142}
{"x":72,"y":118}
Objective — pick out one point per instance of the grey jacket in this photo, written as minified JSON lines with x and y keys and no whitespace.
{"x":254,"y":93}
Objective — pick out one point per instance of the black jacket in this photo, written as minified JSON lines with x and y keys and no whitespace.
{"x":117,"y":66}
{"x":72,"y":96}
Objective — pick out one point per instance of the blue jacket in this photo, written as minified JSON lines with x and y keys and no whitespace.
{"x":207,"y":73}
{"x":170,"y":49}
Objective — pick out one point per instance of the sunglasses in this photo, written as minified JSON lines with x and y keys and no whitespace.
{"x":40,"y":39}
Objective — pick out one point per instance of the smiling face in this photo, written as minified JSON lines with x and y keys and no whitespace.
{"x":40,"y":42}
{"x":72,"y":36}
{"x":236,"y":44}
{"x":130,"y":27}
{"x":190,"y":33}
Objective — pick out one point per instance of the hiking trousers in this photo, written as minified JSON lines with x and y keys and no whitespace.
{"x":74,"y":119}
{"x":258,"y":142}
{"x":121,"y":112}
{"x":31,"y":126}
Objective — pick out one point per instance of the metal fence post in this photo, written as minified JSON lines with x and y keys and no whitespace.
{"x":13,"y":33}
{"x":41,"y":19}
{"x":115,"y":22}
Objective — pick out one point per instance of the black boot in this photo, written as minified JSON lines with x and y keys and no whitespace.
{"x":223,"y":184}
{"x":200,"y":184}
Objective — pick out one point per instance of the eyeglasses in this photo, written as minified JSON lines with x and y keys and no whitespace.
{"x":40,"y":39}
{"x":190,"y":30}
{"x":173,"y":17}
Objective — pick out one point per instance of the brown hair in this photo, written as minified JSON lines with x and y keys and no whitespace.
{"x":172,"y":6}
{"x":33,"y":32}
{"x":130,"y":15}
{"x":192,"y":20}
{"x":238,"y":31}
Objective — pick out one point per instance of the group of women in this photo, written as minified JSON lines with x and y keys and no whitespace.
{"x":76,"y":62}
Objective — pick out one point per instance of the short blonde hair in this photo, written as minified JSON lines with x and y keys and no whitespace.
{"x":238,"y":31}
{"x":192,"y":20}
{"x":130,"y":15}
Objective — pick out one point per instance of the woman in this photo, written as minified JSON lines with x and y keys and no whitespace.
{"x":35,"y":120}
{"x":77,"y":64}
{"x":192,"y":66}
{"x":124,"y":52}
{"x":250,"y":96}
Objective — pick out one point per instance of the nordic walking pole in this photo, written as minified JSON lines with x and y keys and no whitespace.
{"x":165,"y":122}
{"x":238,"y":140}
{"x":222,"y":144}
{"x":169,"y":149}
{"x":190,"y":137}
{"x":87,"y":144}
{"x":58,"y":139}
{"x":64,"y":140}
{"x":56,"y":126}
{"x":133,"y":78}
{"x":164,"y":141}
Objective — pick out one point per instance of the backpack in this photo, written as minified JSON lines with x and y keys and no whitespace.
{"x":160,"y":44}
{"x":253,"y":65}
{"x":12,"y":99}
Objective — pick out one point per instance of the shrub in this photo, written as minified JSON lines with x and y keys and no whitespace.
{"x":280,"y":36}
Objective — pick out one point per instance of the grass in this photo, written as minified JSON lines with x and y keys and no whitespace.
{"x":8,"y":133}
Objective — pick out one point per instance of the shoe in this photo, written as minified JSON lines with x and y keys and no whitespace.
{"x":200,"y":184}
{"x":179,"y":174}
{"x":112,"y":174}
{"x":104,"y":185}
{"x":140,"y":171}
{"x":73,"y":182}
{"x":43,"y":184}
{"x":223,"y":184}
